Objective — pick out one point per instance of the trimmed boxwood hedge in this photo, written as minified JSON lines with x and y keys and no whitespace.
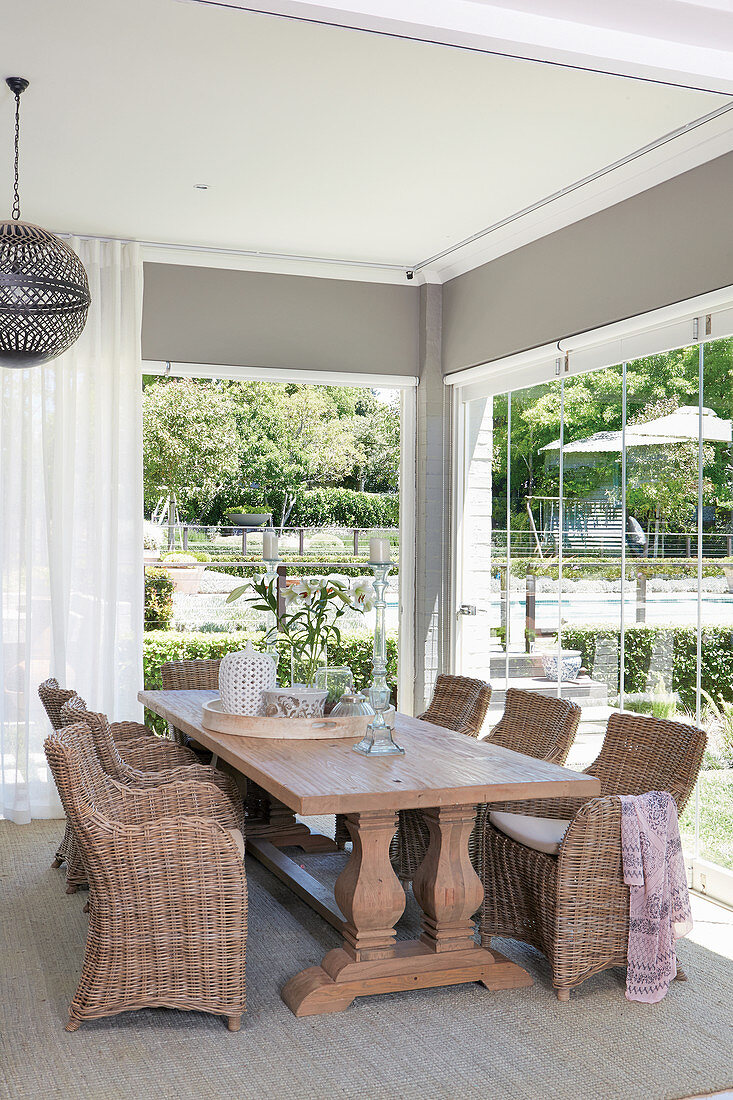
{"x":347,"y":565}
{"x":160,"y":646}
{"x":652,"y":649}
{"x":328,"y":507}
{"x":609,"y":569}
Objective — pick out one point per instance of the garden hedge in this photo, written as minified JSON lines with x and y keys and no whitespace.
{"x":160,"y":646}
{"x":652,"y":650}
{"x":329,"y":507}
{"x":609,"y":569}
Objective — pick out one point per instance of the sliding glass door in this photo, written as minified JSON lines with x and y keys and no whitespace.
{"x":597,"y":565}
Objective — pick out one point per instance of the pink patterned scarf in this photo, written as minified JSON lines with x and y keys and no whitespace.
{"x":654,"y":870}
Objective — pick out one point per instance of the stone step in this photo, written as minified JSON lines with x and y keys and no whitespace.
{"x":582,"y":691}
{"x":520,"y":664}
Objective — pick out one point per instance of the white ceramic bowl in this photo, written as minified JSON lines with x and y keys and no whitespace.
{"x":297,"y":701}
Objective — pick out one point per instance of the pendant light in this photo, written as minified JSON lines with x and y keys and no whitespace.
{"x":44,"y":292}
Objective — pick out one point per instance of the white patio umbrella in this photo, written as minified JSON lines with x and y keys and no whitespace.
{"x":683,"y":423}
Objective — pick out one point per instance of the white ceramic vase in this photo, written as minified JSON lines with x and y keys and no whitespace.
{"x":243,"y":677}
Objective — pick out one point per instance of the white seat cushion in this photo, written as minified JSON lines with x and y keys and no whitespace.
{"x":238,"y":839}
{"x":544,"y":834}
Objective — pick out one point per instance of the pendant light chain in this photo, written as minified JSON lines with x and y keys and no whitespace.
{"x":16,"y":192}
{"x":44,"y":289}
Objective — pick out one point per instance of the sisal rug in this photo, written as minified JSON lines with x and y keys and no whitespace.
{"x":445,"y":1044}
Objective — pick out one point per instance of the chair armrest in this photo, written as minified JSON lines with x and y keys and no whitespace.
{"x":186,"y":858}
{"x":191,"y":773}
{"x":139,"y":805}
{"x":592,"y":844}
{"x":542,"y":807}
{"x":152,"y":753}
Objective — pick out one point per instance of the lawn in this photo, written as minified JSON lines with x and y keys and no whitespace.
{"x":716,"y":818}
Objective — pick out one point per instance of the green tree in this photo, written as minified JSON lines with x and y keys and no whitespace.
{"x":291,"y":438}
{"x":377,"y":436}
{"x":190,"y":443}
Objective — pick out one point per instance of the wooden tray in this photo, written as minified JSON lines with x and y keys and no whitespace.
{"x":280,"y":729}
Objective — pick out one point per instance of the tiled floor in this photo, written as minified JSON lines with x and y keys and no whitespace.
{"x":717,"y":924}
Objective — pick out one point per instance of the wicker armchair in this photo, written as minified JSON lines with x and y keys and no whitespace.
{"x":537,"y":725}
{"x":145,"y":753}
{"x":203,"y":675}
{"x":54,"y":698}
{"x":574,"y":907}
{"x":458,"y":703}
{"x":101,"y":759}
{"x":168,"y":922}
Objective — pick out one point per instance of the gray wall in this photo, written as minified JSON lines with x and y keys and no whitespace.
{"x":244,"y":318}
{"x":669,"y":243}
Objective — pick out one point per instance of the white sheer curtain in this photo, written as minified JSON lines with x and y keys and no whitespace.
{"x":71,"y":572}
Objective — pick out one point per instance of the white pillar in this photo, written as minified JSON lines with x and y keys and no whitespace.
{"x":475,"y":568}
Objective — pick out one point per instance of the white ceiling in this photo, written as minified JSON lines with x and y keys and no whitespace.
{"x":314,"y":140}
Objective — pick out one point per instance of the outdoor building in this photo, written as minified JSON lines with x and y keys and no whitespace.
{"x":366,"y":549}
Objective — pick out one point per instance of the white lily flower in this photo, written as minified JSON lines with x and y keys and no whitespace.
{"x":362,"y":594}
{"x":292,"y":595}
{"x":313,"y":585}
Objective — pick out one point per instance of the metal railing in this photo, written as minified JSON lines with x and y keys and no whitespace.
{"x":671,"y":544}
{"x":188,"y":536}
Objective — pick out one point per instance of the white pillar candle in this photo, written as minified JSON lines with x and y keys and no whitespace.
{"x":380,"y":551}
{"x":269,"y":546}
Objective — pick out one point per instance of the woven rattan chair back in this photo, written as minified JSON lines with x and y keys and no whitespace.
{"x":65,"y":750}
{"x":53,"y":698}
{"x":458,"y":703}
{"x":195,"y":675}
{"x":537,"y":725}
{"x":81,"y":738}
{"x":641,"y":754}
{"x":74,"y":712}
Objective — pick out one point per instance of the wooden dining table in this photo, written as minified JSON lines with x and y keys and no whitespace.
{"x":445,"y":774}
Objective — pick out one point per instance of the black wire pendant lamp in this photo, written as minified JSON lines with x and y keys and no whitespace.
{"x":44,"y":292}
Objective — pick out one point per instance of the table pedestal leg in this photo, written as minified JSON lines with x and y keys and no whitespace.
{"x":371,"y":898}
{"x":278,"y":825}
{"x":446,"y":886}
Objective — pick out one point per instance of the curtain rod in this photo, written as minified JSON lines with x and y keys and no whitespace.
{"x":628,"y":159}
{"x":245,"y":252}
